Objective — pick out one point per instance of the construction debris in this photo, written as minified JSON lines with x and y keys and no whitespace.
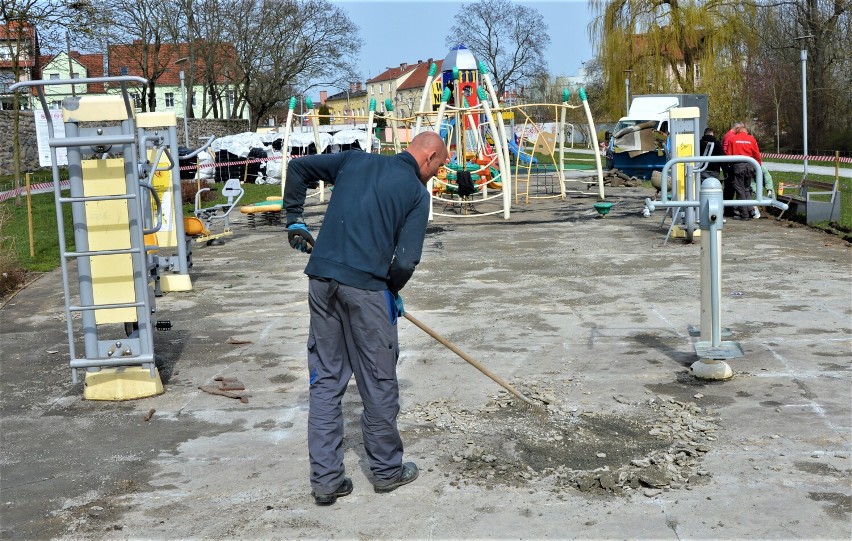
{"x":227,"y":387}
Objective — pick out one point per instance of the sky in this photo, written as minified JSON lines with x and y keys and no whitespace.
{"x":411,"y":30}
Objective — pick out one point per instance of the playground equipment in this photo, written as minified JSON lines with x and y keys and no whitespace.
{"x":711,"y":350}
{"x":117,"y":214}
{"x":470,"y":120}
{"x":233,"y":191}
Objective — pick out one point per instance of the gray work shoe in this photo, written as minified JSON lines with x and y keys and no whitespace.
{"x":408,"y":474}
{"x":344,"y":489}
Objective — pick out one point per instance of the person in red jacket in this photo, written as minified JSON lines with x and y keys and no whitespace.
{"x":727,"y":168}
{"x":743,"y":144}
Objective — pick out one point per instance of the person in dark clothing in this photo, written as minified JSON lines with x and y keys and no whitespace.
{"x":728,"y":168}
{"x":712,"y":169}
{"x":369,"y":245}
{"x":744,"y":144}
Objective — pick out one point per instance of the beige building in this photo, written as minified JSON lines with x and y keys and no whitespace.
{"x":384,"y":86}
{"x":348,"y":107}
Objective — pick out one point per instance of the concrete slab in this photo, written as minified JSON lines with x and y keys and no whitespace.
{"x":591,"y":314}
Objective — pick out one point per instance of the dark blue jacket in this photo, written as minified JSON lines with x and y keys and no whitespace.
{"x":373,"y":230}
{"x":717,"y":151}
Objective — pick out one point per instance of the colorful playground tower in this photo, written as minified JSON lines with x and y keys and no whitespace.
{"x":461,"y":75}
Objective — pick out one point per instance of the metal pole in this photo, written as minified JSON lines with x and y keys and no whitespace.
{"x":227,"y":95}
{"x":627,"y":94}
{"x":805,"y":106}
{"x":183,"y":99}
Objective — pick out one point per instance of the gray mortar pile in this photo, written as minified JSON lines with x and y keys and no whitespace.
{"x":684,"y":429}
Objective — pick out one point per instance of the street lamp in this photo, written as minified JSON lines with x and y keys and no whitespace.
{"x":627,"y":89}
{"x":804,"y":57}
{"x":180,"y":62}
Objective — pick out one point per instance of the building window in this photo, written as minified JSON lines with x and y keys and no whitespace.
{"x":381,"y":88}
{"x":372,"y":90}
{"x":170,"y":99}
{"x":137,"y":100}
{"x":123,"y":70}
{"x":75,"y":75}
{"x":54,"y":76}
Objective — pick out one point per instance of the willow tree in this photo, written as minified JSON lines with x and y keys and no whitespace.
{"x":674,"y":46}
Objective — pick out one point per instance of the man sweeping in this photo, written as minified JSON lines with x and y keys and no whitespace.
{"x":369,"y":245}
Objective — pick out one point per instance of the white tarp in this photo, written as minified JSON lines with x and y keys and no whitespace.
{"x":273,"y":169}
{"x":348,"y":137}
{"x":239,"y":144}
{"x":306,"y":138}
{"x":205,"y":159}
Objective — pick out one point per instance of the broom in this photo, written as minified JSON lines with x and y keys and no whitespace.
{"x":476,"y":364}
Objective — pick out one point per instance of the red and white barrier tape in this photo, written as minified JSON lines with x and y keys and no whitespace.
{"x":33,"y":187}
{"x":224,"y":164}
{"x":801,"y":157}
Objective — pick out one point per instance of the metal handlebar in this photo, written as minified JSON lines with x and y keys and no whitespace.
{"x":200,"y":149}
{"x":83,"y":81}
{"x":760,"y":201}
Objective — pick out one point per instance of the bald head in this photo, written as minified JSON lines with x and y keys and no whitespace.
{"x":430,"y":152}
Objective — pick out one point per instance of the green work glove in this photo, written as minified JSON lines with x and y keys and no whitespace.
{"x":400,"y":306}
{"x":299,"y":237}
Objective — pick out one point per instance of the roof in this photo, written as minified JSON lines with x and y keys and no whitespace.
{"x":417,"y":79}
{"x":351,"y":95}
{"x":130,"y":56}
{"x":393,"y":73}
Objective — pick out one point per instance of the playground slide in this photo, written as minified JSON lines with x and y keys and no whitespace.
{"x":526,"y":159}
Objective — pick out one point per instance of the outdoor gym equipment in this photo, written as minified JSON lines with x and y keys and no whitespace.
{"x":712,"y":351}
{"x":174,"y":268}
{"x":232,"y":190}
{"x":115,"y":244}
{"x":684,"y":140}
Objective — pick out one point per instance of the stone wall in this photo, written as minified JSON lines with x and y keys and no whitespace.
{"x":199,"y":131}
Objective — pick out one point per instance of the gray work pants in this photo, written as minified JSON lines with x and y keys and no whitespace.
{"x":743,"y":174}
{"x":353,"y":331}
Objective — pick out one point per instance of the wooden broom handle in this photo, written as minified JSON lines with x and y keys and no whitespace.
{"x":476,"y":364}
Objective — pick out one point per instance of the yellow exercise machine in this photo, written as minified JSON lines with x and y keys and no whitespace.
{"x":117,"y":216}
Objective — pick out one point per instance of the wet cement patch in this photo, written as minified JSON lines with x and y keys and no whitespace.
{"x":650,"y":446}
{"x":840,"y":504}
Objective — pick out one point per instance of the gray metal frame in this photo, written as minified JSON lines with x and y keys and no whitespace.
{"x":99,"y":351}
{"x":710,"y":205}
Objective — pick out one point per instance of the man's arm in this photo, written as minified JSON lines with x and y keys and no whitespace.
{"x":409,"y":247}
{"x":304,"y":173}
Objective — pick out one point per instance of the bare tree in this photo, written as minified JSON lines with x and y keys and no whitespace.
{"x":21,"y":19}
{"x":140,"y":27}
{"x":510,"y":38}
{"x":783,"y":29}
{"x":285,"y":44}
